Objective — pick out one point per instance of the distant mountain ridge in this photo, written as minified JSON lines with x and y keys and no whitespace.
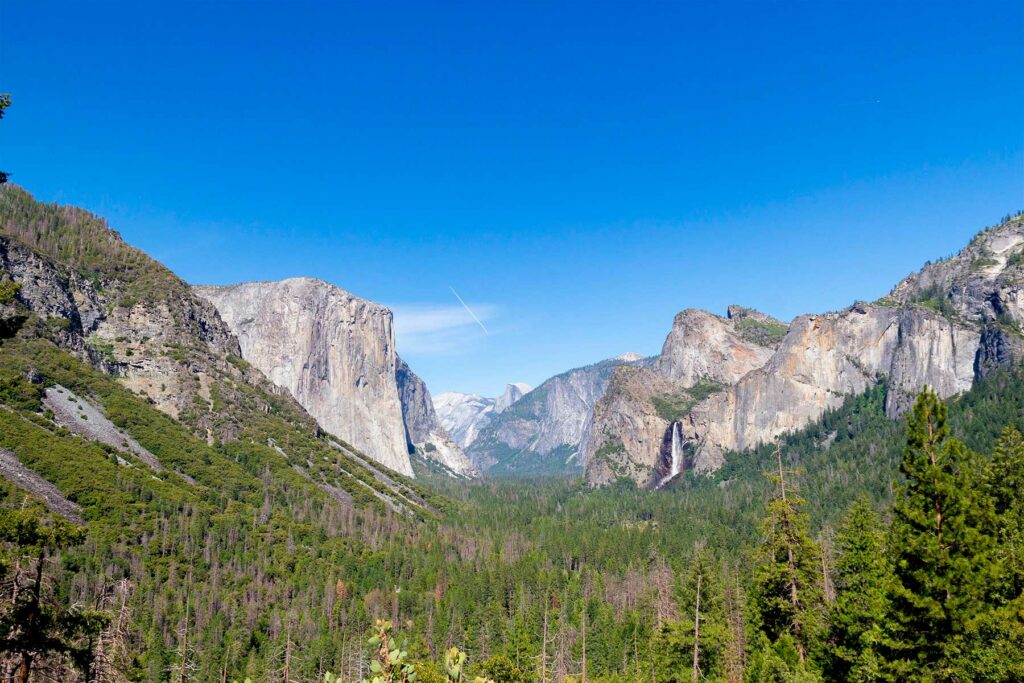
{"x":539,"y":432}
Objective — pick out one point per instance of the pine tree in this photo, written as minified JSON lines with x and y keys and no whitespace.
{"x":36,"y":630}
{"x":863,"y":581}
{"x":692,"y":647}
{"x":1006,"y":491}
{"x":941,"y":545}
{"x":992,"y":646}
{"x":787,"y":594}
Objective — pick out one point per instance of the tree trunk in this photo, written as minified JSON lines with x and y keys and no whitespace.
{"x":696,"y":634}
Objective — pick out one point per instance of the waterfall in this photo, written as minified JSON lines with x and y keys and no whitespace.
{"x":677,"y":456}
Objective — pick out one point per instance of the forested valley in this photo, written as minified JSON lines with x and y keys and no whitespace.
{"x":857,"y":549}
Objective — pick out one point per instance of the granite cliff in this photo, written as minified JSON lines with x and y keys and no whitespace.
{"x":729,"y":384}
{"x":334,"y":352}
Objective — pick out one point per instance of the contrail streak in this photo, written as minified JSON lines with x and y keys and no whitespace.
{"x":469,"y":311}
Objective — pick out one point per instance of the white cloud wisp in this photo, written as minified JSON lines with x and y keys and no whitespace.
{"x":439,"y":329}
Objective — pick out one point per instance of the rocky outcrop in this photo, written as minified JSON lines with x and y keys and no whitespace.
{"x":703,"y":354}
{"x":67,"y":278}
{"x":334,"y":352}
{"x":131,"y":317}
{"x":702,"y":347}
{"x":825,"y":359}
{"x":26,"y":479}
{"x":943,"y":327}
{"x":424,"y":432}
{"x":981,"y":283}
{"x":625,"y":439}
{"x":81,"y":417}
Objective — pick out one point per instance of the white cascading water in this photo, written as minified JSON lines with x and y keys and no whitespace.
{"x":677,"y":456}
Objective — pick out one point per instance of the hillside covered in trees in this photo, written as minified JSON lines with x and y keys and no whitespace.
{"x":857,"y":549}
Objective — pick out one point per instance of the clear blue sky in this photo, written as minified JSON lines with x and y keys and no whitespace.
{"x":578,"y":172}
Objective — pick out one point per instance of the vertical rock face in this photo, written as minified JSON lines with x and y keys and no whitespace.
{"x":734,"y":383}
{"x":626,"y":433}
{"x":424,"y":432}
{"x":334,"y":352}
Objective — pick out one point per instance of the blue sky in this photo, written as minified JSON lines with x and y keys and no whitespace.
{"x":577,"y":172}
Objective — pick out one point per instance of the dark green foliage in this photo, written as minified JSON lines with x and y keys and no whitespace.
{"x":941,"y":543}
{"x":36,"y":630}
{"x":788,"y":591}
{"x":859,"y":632}
{"x":674,"y":642}
{"x":938,"y":300}
{"x":268,"y":548}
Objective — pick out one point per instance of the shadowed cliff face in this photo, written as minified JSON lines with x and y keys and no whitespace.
{"x":424,"y":432}
{"x":943,"y":327}
{"x":334,"y":352}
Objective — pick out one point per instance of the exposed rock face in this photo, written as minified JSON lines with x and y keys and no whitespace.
{"x":334,"y":352}
{"x":462,"y":415}
{"x":702,"y":354}
{"x":424,"y":431}
{"x":705,"y":347}
{"x":542,"y":431}
{"x":139,"y":337}
{"x":26,"y":479}
{"x":78,"y":415}
{"x":626,"y":434}
{"x":823,"y":360}
{"x":512,"y":393}
{"x":943,"y":327}
{"x":981,"y":283}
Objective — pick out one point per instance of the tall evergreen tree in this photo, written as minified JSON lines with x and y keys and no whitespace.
{"x":941,"y":545}
{"x":992,"y":645}
{"x":693,"y":646}
{"x":787,"y":592}
{"x":37,"y":632}
{"x":1006,"y":491}
{"x":863,"y":580}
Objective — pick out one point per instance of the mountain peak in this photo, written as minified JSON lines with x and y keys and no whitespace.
{"x":513,"y":392}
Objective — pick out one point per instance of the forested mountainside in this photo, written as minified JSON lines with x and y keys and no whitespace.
{"x":75,"y":284}
{"x":727,"y":384}
{"x":168,"y":514}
